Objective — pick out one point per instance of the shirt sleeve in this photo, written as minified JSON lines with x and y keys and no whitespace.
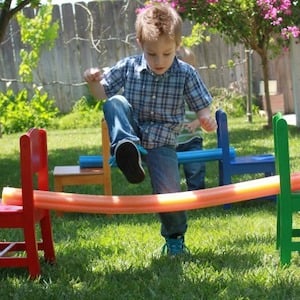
{"x":196,"y":93}
{"x":113,"y":79}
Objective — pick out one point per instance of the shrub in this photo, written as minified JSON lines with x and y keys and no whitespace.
{"x":232,"y":102}
{"x":84,"y":114}
{"x":19,"y":113}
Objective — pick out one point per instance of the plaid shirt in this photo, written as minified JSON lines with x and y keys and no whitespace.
{"x":158,"y":101}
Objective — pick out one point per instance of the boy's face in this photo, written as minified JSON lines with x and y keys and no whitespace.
{"x":159,"y":54}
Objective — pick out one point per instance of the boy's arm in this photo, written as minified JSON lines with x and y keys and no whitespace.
{"x":93,"y":76}
{"x":207,"y":122}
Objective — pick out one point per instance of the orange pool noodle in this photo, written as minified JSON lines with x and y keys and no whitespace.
{"x":134,"y":204}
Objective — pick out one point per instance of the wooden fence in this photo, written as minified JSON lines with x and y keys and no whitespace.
{"x":99,"y":34}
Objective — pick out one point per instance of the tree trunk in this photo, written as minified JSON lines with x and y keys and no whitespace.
{"x":6,"y":14}
{"x":265,"y":68}
{"x":4,"y":20}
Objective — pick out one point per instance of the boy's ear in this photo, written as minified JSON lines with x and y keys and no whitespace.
{"x":139,"y":43}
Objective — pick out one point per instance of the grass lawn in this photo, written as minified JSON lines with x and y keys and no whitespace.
{"x":233,"y":253}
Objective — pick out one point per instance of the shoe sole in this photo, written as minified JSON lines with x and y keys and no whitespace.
{"x":129,"y":162}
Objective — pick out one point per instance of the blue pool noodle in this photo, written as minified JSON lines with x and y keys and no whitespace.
{"x":96,"y":161}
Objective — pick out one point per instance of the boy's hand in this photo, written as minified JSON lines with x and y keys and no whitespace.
{"x":93,"y":78}
{"x":208,"y":123}
{"x":92,"y":75}
{"x":192,"y":126}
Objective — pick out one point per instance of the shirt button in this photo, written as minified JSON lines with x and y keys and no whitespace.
{"x":153,"y":97}
{"x":152,"y":113}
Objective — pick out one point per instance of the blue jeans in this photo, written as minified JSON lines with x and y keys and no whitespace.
{"x":195,"y":171}
{"x":161,"y":162}
{"x":120,"y":122}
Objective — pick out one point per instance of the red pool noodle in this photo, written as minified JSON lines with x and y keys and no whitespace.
{"x":134,"y":204}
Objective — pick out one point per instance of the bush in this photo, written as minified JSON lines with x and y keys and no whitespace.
{"x":232,"y":102}
{"x":83,"y":115}
{"x":19,"y":113}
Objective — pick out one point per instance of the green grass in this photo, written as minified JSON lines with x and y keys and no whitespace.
{"x":233,"y":253}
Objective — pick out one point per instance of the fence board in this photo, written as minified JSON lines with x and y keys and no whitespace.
{"x":95,"y":31}
{"x":57,"y":76}
{"x":83,"y":32}
{"x":9,"y":55}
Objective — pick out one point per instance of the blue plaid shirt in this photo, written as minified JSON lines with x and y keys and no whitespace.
{"x":158,"y":101}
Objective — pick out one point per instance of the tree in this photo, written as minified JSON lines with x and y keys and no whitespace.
{"x":37,"y":34}
{"x":7,"y":12}
{"x":264,"y":26}
{"x":18,"y":110}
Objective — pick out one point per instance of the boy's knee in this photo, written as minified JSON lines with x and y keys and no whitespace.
{"x":117,"y":99}
{"x":115,"y":102}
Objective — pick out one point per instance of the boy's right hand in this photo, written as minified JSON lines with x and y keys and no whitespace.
{"x":92,"y":75}
{"x":208,"y":123}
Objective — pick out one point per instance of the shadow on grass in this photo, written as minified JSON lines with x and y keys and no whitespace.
{"x":88,"y":267}
{"x":72,"y":226}
{"x":207,"y":274}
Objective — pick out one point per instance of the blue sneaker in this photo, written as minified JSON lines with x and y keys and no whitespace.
{"x":128,"y":159}
{"x":175,"y":246}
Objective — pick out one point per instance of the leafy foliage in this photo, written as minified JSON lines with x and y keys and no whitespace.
{"x":17,"y":113}
{"x":256,"y":24}
{"x":196,"y":37}
{"x":37,"y":33}
{"x":83,"y":115}
{"x":232,"y":102}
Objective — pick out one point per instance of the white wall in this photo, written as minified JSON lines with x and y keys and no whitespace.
{"x":295,"y":72}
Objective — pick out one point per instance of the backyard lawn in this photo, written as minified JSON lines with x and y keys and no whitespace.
{"x":233,"y":253}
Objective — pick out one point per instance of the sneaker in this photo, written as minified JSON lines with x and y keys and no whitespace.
{"x":128,"y":159}
{"x":175,"y":246}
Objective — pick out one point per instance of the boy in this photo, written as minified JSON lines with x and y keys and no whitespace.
{"x":190,"y":136}
{"x":150,"y":111}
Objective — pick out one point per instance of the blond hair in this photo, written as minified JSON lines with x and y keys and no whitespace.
{"x":157,"y":20}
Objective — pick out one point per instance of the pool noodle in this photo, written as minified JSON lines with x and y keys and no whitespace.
{"x":133,"y":204}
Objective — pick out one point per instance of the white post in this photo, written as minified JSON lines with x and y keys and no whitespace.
{"x":250,"y":82}
{"x":295,"y":72}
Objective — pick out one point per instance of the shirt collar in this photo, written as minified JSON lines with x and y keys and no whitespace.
{"x":143,"y":66}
